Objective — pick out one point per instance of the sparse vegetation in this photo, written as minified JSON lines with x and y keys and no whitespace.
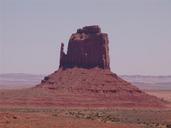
{"x":168,"y":125}
{"x":134,"y":117}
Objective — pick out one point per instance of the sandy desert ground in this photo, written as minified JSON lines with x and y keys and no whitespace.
{"x":31,"y":116}
{"x":165,"y":94}
{"x":83,"y":118}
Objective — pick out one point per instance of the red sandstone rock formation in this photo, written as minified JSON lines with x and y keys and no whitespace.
{"x":87,"y":48}
{"x":85,"y":72}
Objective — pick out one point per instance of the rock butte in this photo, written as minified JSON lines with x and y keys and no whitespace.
{"x":87,"y":48}
{"x":84,"y":78}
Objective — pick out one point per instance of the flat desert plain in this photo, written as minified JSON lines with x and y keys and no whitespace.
{"x":164,"y":94}
{"x":31,"y":116}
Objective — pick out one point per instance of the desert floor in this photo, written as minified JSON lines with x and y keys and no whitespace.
{"x":83,"y":118}
{"x":165,"y":94}
{"x":12,"y":116}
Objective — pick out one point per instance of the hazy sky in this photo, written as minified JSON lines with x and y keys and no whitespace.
{"x":139,"y":33}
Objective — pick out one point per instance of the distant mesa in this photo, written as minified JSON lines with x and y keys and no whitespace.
{"x":88,"y":48}
{"x":84,"y":77}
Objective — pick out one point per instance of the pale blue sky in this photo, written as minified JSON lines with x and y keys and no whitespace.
{"x":139,"y":33}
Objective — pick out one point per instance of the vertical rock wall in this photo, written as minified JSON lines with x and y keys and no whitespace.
{"x":87,"y":48}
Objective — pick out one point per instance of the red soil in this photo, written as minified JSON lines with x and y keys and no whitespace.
{"x":40,"y":120}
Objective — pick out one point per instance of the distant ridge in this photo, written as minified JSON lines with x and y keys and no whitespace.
{"x":149,"y":82}
{"x":19,"y":80}
{"x":146,"y":82}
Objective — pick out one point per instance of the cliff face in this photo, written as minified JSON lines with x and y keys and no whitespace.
{"x":87,"y":48}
